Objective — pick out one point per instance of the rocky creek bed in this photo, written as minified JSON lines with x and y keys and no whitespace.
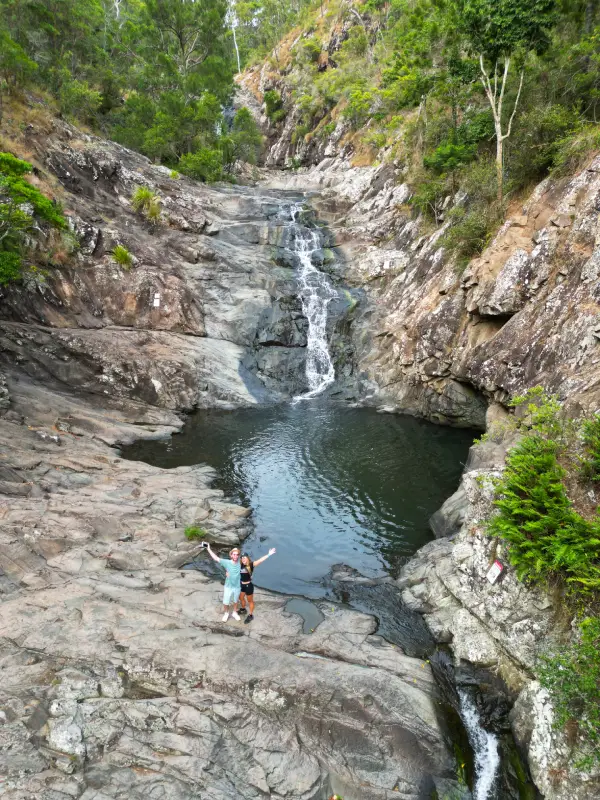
{"x":115,"y":681}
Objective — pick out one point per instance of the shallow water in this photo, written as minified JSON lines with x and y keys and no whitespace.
{"x":327,"y":484}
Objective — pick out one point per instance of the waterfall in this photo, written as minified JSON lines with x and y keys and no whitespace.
{"x":485,"y":749}
{"x":315,"y":292}
{"x":233,"y":21}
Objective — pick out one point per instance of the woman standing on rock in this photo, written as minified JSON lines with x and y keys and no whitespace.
{"x":247,"y":586}
{"x":231,"y":590}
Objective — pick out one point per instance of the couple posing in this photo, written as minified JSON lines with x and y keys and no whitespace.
{"x":238,"y":583}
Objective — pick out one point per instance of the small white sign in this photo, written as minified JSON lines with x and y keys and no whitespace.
{"x":157,"y":300}
{"x":494,"y":572}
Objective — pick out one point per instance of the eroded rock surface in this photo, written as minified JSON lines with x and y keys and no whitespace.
{"x":119,"y":679}
{"x":503,"y":627}
{"x":432,"y":341}
{"x":206,"y":314}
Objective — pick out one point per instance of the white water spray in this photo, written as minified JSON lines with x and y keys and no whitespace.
{"x":315,"y":293}
{"x":485,"y":749}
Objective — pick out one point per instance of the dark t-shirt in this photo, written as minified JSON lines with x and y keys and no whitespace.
{"x":245,"y":575}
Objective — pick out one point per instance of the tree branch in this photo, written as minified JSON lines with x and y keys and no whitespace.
{"x":487,"y":87}
{"x":504,"y":77}
{"x":514,"y":111}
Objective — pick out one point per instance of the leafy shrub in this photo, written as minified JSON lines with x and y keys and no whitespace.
{"x":300,"y":132}
{"x":78,"y":99}
{"x":13,"y":184}
{"x":122,"y":256}
{"x":21,"y":207}
{"x":477,"y":126}
{"x":246,"y":137}
{"x":144,"y":201}
{"x":547,"y":539}
{"x":278,"y":115}
{"x":141,"y":198}
{"x":193,"y":532}
{"x":310,"y":50}
{"x":533,"y":147}
{"x":477,"y":218}
{"x":449,"y":157}
{"x":327,"y":129}
{"x":10,"y":267}
{"x":174,"y":175}
{"x":428,"y":195}
{"x":204,"y":165}
{"x":590,"y":462}
{"x":359,"y":106}
{"x":470,"y":232}
{"x":274,"y":105}
{"x":573,"y":679}
{"x":572,"y":152}
{"x":375,"y":139}
{"x":357,"y":44}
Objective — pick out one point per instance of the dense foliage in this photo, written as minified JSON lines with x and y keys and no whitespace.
{"x":547,"y":538}
{"x":155,"y":75}
{"x":549,"y":541}
{"x":22,"y":207}
{"x":478,"y":99}
{"x":573,"y":679}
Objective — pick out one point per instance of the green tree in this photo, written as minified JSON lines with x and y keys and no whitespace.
{"x":497,"y":31}
{"x":246,"y":137}
{"x":16,"y":68}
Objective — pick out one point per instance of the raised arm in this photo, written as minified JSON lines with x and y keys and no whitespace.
{"x":211,"y":554}
{"x":271,"y":552}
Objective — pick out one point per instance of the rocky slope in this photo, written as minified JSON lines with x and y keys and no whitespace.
{"x":502,"y":628}
{"x":118,"y":679}
{"x":228,"y":328}
{"x":431,"y":341}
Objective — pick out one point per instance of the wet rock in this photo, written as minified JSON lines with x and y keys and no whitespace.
{"x":133,"y":672}
{"x":397,"y":623}
{"x":449,"y":518}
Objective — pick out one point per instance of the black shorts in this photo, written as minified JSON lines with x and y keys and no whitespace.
{"x":247,"y":588}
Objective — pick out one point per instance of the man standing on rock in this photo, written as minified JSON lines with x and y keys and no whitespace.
{"x":231,"y":590}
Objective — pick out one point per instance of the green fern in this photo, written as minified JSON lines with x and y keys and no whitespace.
{"x":547,"y":539}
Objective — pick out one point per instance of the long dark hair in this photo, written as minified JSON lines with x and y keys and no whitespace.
{"x":250,"y":564}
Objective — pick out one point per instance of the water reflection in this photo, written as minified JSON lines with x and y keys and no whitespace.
{"x":327,"y":484}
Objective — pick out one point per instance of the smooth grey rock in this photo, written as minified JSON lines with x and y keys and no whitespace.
{"x":449,"y":518}
{"x":119,"y":660}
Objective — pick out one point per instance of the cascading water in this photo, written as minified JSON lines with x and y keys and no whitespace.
{"x":233,"y":23}
{"x":316,"y":292}
{"x":485,"y":749}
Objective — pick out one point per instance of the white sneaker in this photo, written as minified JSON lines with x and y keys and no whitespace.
{"x":235,"y":615}
{"x":226,"y":616}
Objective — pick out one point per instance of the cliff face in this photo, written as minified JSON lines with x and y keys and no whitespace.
{"x":205,"y":316}
{"x":445,"y":345}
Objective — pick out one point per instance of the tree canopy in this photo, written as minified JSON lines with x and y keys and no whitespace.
{"x":153,"y":74}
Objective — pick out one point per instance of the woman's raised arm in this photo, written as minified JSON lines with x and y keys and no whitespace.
{"x":271,"y":552}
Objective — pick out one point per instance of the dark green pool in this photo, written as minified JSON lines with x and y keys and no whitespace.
{"x":327,"y":484}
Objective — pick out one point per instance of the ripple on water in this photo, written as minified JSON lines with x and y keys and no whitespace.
{"x":327,"y":484}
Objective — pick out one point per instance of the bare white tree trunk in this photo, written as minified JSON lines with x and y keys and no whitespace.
{"x":496,"y":100}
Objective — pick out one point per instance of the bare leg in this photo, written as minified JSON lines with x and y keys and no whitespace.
{"x":243,"y":600}
{"x":251,"y":604}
